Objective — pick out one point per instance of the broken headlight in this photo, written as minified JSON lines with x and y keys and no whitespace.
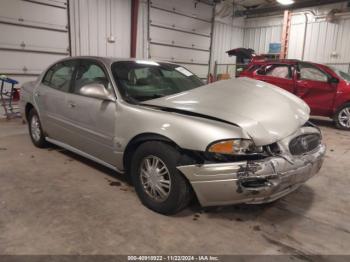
{"x":234,"y":147}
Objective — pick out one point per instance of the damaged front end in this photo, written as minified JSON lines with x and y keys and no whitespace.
{"x":279,"y":170}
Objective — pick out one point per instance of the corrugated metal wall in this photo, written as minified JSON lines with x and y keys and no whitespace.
{"x":92,"y":22}
{"x":324,"y":43}
{"x":260,"y":32}
{"x":95,"y":22}
{"x":226,"y":37}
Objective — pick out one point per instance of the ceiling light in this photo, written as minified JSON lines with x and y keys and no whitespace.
{"x":285,"y":2}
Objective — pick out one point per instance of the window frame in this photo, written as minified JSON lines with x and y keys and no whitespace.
{"x":254,"y":68}
{"x":289,"y":67}
{"x":98,"y":63}
{"x":312,"y":66}
{"x":48,"y":84}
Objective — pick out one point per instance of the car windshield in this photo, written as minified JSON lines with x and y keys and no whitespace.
{"x":139,"y":81}
{"x":342,"y":74}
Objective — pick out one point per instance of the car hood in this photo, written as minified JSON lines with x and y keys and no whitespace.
{"x":265,"y":112}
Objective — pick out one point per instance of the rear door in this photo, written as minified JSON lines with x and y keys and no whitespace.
{"x":91,"y":120}
{"x":51,"y":95}
{"x":280,"y":75}
{"x":312,"y":85}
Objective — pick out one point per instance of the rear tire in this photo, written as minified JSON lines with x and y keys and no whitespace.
{"x":158,"y":183}
{"x":342,"y":117}
{"x":35,"y":130}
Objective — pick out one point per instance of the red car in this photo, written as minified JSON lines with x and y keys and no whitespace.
{"x":325,"y":89}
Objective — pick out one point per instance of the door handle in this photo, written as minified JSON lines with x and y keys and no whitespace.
{"x":37,"y":94}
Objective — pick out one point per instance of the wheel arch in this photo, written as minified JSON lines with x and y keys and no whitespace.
{"x":346,"y":102}
{"x":29,"y":106}
{"x":139,"y":139}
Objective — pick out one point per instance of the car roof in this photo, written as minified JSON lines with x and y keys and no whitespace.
{"x":285,"y":61}
{"x":279,"y":61}
{"x":110,"y":60}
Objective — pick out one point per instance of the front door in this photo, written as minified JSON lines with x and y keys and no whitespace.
{"x":313,"y":86}
{"x":91,"y":120}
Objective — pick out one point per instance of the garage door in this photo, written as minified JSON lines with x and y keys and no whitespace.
{"x":180,"y":32}
{"x":33,"y":35}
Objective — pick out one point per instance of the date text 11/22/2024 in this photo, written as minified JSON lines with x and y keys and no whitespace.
{"x":173,"y":258}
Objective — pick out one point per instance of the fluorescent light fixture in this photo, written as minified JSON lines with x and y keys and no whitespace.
{"x":147,"y":62}
{"x":285,"y":2}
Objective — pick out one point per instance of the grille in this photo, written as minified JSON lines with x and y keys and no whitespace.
{"x":304,"y":143}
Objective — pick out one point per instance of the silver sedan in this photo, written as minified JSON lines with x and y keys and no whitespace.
{"x":233,"y":141}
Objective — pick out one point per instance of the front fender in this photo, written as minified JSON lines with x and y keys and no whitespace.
{"x":188,"y":132}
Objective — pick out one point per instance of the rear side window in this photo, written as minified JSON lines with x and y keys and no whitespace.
{"x":60,"y":75}
{"x":279,"y":71}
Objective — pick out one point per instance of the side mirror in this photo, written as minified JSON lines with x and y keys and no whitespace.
{"x":333,"y":80}
{"x":97,"y":91}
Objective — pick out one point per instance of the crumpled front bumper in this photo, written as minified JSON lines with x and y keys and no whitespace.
{"x":259,"y":181}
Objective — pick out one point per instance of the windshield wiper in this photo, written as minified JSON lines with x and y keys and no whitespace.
{"x":140,"y":99}
{"x":145,"y":98}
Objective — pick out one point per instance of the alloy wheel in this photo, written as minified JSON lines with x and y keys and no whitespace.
{"x":155,"y":178}
{"x":35,"y":128}
{"x":344,"y":117}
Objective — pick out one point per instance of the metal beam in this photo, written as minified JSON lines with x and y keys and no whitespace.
{"x":46,"y":4}
{"x":180,"y":46}
{"x":179,"y":30}
{"x":69,"y":29}
{"x":211,"y":41}
{"x":179,"y":13}
{"x":14,"y":49}
{"x":134,"y":16}
{"x":280,"y":8}
{"x":22,"y":24}
{"x":19,"y":74}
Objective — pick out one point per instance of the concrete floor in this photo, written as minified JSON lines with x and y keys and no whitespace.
{"x":54,"y":202}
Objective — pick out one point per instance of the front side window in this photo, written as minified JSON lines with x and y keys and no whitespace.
{"x":144,"y":80}
{"x":90,"y":73}
{"x":309,"y":72}
{"x":345,"y":76}
{"x":279,"y":71}
{"x":59,"y":76}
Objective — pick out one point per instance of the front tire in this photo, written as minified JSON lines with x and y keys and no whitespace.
{"x":342,"y":117}
{"x":35,"y":130}
{"x":158,"y":183}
